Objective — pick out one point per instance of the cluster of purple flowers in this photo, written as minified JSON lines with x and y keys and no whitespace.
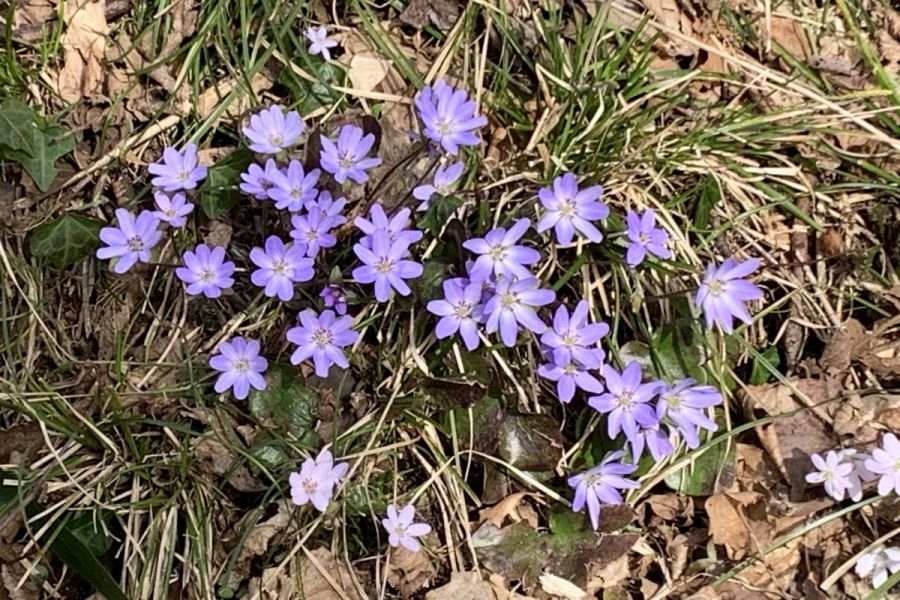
{"x":845,"y":472}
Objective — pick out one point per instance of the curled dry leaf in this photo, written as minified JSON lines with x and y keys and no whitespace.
{"x":410,"y":572}
{"x":464,"y":585}
{"x":316,"y":568}
{"x":84,"y":46}
{"x":562,"y":588}
{"x":513,"y":507}
{"x":214,"y":457}
{"x":257,"y":542}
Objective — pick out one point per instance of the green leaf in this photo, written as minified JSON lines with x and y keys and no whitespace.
{"x":46,"y":147}
{"x":710,"y":195}
{"x":761,"y":372}
{"x":314,"y":94}
{"x":16,"y":125}
{"x":89,"y":533}
{"x":219,"y":193}
{"x":79,"y":557}
{"x":287,"y":403}
{"x":66,"y":240}
{"x":440,"y":209}
{"x":710,"y":472}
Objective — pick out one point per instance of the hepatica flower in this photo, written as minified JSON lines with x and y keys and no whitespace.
{"x":652,"y":438}
{"x":444,"y":182}
{"x":878,"y":564}
{"x":319,"y":42}
{"x":449,"y":117}
{"x":724,"y":292}
{"x":292,"y":189}
{"x":460,"y":311}
{"x":130,"y":242}
{"x":568,"y":209}
{"x":280,"y":267}
{"x":321,"y":338}
{"x":627,"y":402}
{"x":258,"y":181}
{"x":885,"y":463}
{"x":316,"y":480}
{"x":240,"y":365}
{"x":329,"y":206}
{"x":334,"y":297}
{"x":574,"y":339}
{"x":206,"y":271}
{"x":347,"y":158}
{"x":313,"y":230}
{"x":395,"y":227}
{"x":684,"y":405}
{"x":172,"y":209}
{"x":271,"y":130}
{"x":385,"y":266}
{"x":569,"y":376}
{"x":401,"y":528}
{"x":645,"y":238}
{"x":177,"y":170}
{"x":512,"y":305}
{"x":499,"y":255}
{"x":834,"y":473}
{"x":601,"y":485}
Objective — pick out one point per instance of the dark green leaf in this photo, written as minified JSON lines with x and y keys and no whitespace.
{"x":679,"y":350}
{"x":530,"y":442}
{"x":287,"y":403}
{"x":219,"y":193}
{"x":66,"y":240}
{"x":710,"y":195}
{"x":16,"y":125}
{"x":312,"y":95}
{"x":76,"y":555}
{"x":90,"y":533}
{"x":46,"y":147}
{"x":761,"y":372}
{"x":440,"y":209}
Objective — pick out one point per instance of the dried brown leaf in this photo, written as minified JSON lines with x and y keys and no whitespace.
{"x":440,"y":13}
{"x":315,"y":569}
{"x":513,"y":508}
{"x":367,"y":70}
{"x":84,"y":46}
{"x":737,"y":521}
{"x":410,"y":572}
{"x":463,"y":585}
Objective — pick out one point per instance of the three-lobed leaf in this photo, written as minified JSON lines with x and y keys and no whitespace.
{"x":46,"y":146}
{"x":219,"y":193}
{"x":65,"y":240}
{"x":16,"y":125}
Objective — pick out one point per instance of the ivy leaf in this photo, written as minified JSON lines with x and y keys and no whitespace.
{"x":16,"y":125}
{"x":219,"y":193}
{"x":46,"y":147}
{"x":66,"y":240}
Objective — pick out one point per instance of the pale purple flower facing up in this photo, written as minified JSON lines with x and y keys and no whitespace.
{"x":443,"y":184}
{"x":329,"y":206}
{"x":568,"y":377}
{"x":132,"y":241}
{"x":834,"y":473}
{"x":206,"y":271}
{"x":395,"y":227}
{"x":292,"y":189}
{"x":568,"y":210}
{"x":601,"y":485}
{"x":878,"y":564}
{"x":280,"y":266}
{"x":645,"y":238}
{"x":460,"y":311}
{"x":512,"y":305}
{"x":885,"y":463}
{"x":724,"y":292}
{"x":313,"y":230}
{"x":172,"y":209}
{"x":449,"y":117}
{"x":319,"y":42}
{"x":346,"y":159}
{"x":240,"y":365}
{"x":177,"y":171}
{"x":385,"y":266}
{"x":258,"y":181}
{"x":271,"y":130}
{"x":334,"y":297}
{"x":572,"y":338}
{"x":685,"y":405}
{"x":627,"y":401}
{"x":401,"y":528}
{"x":652,"y":438}
{"x":860,"y":474}
{"x":316,"y":480}
{"x":499,"y":255}
{"x":321,"y":338}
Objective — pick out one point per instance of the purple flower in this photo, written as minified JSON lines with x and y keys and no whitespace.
{"x":322,"y":337}
{"x":499,"y":254}
{"x":396,"y":227}
{"x":569,"y":209}
{"x":205,"y":271}
{"x":512,"y":305}
{"x":313,"y":230}
{"x":174,"y":210}
{"x":401,"y":529}
{"x":860,"y":474}
{"x":724,"y":291}
{"x":645,"y":237}
{"x":885,"y":462}
{"x":131,"y":241}
{"x":241,"y":366}
{"x":601,"y":485}
{"x":445,"y":179}
{"x":272,"y":131}
{"x":627,"y":401}
{"x":833,"y":472}
{"x":385,"y":266}
{"x":449,"y":116}
{"x":574,"y":338}
{"x":335,"y":297}
{"x":878,"y":563}
{"x":177,"y":171}
{"x":316,"y":480}
{"x":292,"y":189}
{"x":279,"y":267}
{"x":329,"y":206}
{"x":569,"y":376}
{"x":319,"y":42}
{"x":654,"y":439}
{"x":348,"y":159}
{"x":258,"y":181}
{"x":460,"y":311}
{"x":684,"y":405}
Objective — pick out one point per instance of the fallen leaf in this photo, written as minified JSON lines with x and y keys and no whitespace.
{"x":213,"y":457}
{"x":421,"y":13}
{"x":312,"y":583}
{"x":732,"y":525}
{"x":609,"y":575}
{"x":367,"y":70}
{"x":84,"y":46}
{"x":563,"y":588}
{"x":509,"y":508}
{"x":790,"y":35}
{"x":410,"y":572}
{"x":219,"y":234}
{"x":669,"y":507}
{"x":670,"y":14}
{"x":464,"y":585}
